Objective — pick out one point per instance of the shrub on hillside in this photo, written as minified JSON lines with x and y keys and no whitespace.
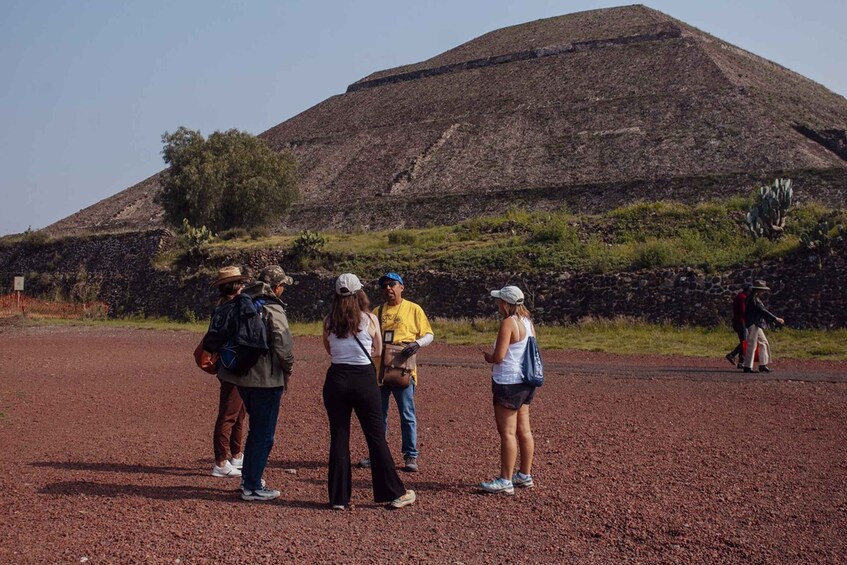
{"x":401,"y":237}
{"x":824,"y":239}
{"x":655,"y":253}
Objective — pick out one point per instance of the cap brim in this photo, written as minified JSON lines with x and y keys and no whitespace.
{"x":287,"y":280}
{"x":495,"y":293}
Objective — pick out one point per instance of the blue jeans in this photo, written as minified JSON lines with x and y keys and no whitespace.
{"x":405,"y":398}
{"x":262,"y":406}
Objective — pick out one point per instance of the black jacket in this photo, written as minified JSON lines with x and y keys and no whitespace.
{"x":756,"y":314}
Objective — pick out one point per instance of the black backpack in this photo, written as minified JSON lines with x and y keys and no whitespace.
{"x":250,"y":338}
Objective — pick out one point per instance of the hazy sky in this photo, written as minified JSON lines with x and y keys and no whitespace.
{"x":88,"y":87}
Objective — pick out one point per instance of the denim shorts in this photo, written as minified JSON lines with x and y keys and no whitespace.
{"x":512,"y":396}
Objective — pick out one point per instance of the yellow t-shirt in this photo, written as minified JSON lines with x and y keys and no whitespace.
{"x":408,"y":322}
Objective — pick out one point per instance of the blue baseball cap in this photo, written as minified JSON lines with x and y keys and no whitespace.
{"x":390,"y":277}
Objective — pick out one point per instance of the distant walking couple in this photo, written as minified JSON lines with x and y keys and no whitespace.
{"x":750,"y":319}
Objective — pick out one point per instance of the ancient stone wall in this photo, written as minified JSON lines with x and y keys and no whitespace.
{"x":806,"y":292}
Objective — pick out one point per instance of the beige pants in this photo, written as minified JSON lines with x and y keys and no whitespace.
{"x":756,"y":335}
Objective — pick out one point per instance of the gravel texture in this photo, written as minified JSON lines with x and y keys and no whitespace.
{"x":106,"y":436}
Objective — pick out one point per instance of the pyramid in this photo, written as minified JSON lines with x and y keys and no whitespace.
{"x":591,"y":111}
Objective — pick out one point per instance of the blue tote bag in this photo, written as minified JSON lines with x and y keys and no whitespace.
{"x":532,"y":367}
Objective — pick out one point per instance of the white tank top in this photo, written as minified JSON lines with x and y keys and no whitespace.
{"x":509,"y":371}
{"x":347,"y":351}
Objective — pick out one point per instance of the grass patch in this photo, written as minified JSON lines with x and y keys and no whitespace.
{"x":621,"y":335}
{"x":710,"y":236}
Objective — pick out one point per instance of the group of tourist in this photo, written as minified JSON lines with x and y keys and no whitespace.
{"x":356,"y":340}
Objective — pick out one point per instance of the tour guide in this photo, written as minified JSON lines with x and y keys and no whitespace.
{"x":410,"y":326}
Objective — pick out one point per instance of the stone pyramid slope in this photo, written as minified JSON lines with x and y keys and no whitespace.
{"x":591,"y":110}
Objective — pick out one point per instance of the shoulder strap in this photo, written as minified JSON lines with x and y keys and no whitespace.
{"x":365,"y":350}
{"x":516,"y":319}
{"x":379,"y":315}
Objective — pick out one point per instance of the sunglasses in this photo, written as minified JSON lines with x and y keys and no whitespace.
{"x":390,"y":284}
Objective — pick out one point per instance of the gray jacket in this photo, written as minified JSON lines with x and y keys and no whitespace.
{"x":271,"y":370}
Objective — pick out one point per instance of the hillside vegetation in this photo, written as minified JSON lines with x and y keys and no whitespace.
{"x":709,"y":236}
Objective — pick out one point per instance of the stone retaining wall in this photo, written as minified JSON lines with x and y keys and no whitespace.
{"x":118,"y":270}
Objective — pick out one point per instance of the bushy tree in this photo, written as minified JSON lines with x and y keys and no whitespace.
{"x":230,"y":180}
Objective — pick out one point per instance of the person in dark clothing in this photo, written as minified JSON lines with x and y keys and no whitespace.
{"x":230,"y":425}
{"x":757,"y":319}
{"x":351,"y":335}
{"x":739,"y":325}
{"x":262,"y":387}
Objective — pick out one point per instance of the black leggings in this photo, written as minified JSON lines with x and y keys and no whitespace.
{"x":348,"y":388}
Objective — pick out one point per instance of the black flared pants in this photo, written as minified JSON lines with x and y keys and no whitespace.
{"x":348,"y":388}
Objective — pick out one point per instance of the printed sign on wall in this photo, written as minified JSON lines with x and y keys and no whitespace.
{"x":19,"y":283}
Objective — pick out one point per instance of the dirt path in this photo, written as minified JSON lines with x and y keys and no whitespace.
{"x":106,"y":437}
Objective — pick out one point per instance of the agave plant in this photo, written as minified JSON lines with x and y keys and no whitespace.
{"x":767,"y":215}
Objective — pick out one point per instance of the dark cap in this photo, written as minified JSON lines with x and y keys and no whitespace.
{"x":275,"y":276}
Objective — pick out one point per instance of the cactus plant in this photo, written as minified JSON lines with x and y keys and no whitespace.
{"x":767,"y":215}
{"x":824,"y":239}
{"x":308,"y":244}
{"x":195,"y":237}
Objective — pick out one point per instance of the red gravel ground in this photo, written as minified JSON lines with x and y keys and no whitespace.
{"x":106,"y":438}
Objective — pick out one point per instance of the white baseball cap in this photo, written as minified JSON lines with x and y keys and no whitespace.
{"x":510,"y":294}
{"x":347,"y":284}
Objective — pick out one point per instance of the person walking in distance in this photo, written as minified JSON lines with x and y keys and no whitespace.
{"x":404,"y":322}
{"x":758,"y":319}
{"x":350,"y":336}
{"x":739,"y":325}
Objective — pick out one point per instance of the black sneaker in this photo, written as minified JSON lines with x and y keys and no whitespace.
{"x":764,"y":369}
{"x":731,"y":358}
{"x":748,"y":370}
{"x":740,"y":365}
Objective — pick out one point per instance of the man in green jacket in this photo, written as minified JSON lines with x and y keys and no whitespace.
{"x":262,"y":387}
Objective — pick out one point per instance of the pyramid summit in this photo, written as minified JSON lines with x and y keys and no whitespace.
{"x":591,"y":110}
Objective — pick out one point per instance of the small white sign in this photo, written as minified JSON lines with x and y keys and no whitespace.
{"x":19,"y":283}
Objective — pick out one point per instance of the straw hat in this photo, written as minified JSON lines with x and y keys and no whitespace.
{"x":229,"y":274}
{"x":759,"y":285}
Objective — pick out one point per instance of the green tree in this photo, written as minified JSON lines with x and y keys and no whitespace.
{"x":230,"y":180}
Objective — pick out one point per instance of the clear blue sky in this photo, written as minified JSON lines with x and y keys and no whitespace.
{"x":89,"y":87}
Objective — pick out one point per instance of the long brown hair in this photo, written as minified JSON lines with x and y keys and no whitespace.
{"x":519,"y":309}
{"x":345,"y":318}
{"x":364,"y":301}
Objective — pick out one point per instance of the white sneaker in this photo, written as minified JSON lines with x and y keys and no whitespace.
{"x":498,"y":485}
{"x":237,"y":463}
{"x":405,"y":500}
{"x":523,"y":481}
{"x":226,"y":470}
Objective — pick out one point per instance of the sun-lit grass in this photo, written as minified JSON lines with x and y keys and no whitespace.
{"x":622,"y":336}
{"x":708,"y":236}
